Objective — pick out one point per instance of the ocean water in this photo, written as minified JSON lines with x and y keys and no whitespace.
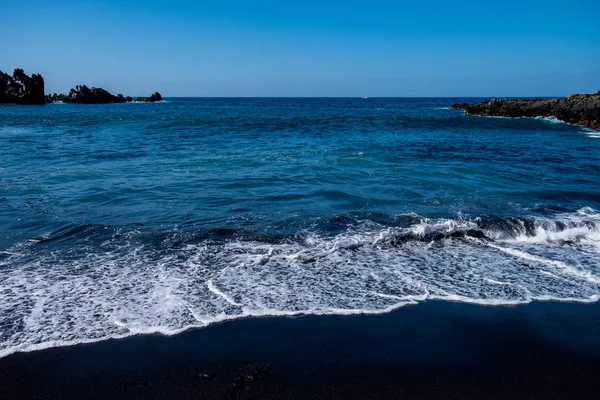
{"x":142,"y":218}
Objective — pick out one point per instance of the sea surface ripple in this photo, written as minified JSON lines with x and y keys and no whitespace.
{"x":143,"y":218}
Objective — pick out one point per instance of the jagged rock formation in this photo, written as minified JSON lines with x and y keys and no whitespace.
{"x":21,"y":89}
{"x":579,"y":109}
{"x":155,"y":97}
{"x":84,"y":95}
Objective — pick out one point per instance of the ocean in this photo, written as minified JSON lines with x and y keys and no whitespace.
{"x":143,"y":218}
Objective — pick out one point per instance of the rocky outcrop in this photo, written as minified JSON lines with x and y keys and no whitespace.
{"x":155,"y":97}
{"x":84,"y":95}
{"x":579,"y":109}
{"x":21,"y":89}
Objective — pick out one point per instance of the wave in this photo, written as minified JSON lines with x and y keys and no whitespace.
{"x":550,"y":119}
{"x":146,"y":102}
{"x":592,"y":133}
{"x":84,"y":283}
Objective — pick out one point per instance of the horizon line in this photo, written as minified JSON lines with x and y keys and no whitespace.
{"x":359,"y":97}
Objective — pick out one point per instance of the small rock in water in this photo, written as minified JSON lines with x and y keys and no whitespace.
{"x":155,"y":97}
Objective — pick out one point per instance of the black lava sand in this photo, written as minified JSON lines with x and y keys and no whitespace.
{"x":432,"y":350}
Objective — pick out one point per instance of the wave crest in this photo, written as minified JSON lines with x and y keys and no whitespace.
{"x":96,"y":287}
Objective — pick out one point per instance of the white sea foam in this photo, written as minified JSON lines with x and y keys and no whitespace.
{"x":592,"y":133}
{"x":551,"y":119}
{"x":84,"y":293}
{"x":146,"y":102}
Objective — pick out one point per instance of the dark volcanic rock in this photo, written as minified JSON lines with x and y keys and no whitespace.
{"x":21,"y":89}
{"x":84,"y":95}
{"x":579,"y":109}
{"x":155,"y":97}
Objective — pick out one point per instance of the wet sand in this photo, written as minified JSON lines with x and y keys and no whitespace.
{"x":432,"y":350}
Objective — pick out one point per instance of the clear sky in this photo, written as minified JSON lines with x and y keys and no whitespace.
{"x":307,"y":48}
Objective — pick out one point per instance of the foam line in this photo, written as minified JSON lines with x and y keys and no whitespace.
{"x":121,"y":284}
{"x":213,"y":289}
{"x":558,"y":264}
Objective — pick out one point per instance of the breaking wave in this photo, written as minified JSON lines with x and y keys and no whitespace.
{"x":89,"y":283}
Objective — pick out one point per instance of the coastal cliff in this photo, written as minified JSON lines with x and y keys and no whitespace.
{"x":578,"y":109}
{"x":21,"y":89}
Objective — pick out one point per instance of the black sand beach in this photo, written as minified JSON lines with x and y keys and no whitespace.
{"x":431,"y":350}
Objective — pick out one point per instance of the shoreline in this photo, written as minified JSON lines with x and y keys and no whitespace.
{"x":431,"y":349}
{"x":549,"y":119}
{"x":45,"y":346}
{"x":577,"y":109}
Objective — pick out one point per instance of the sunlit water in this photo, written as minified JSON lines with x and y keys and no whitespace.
{"x":138,"y":218}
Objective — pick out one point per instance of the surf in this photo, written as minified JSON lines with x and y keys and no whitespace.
{"x":120,"y":284}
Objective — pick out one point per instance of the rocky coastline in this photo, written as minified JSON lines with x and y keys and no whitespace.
{"x":22,"y":89}
{"x":578,"y":109}
{"x":81,"y":94}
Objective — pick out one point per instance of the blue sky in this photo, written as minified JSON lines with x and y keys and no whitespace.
{"x":307,"y":48}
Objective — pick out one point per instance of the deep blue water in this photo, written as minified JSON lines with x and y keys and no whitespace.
{"x":132,"y":218}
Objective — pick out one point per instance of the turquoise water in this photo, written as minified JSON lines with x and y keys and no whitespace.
{"x":138,"y":218}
